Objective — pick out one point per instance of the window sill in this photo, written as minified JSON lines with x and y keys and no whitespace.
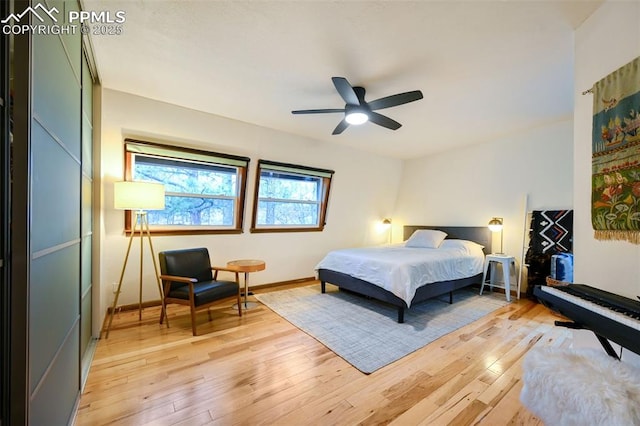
{"x":273,"y":230}
{"x":166,"y":232}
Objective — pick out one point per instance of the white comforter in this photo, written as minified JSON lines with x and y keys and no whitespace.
{"x":401,"y":270}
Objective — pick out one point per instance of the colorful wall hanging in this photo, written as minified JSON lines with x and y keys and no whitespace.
{"x":615,"y":180}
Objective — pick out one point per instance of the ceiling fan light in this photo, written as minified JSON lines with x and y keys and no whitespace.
{"x":356,"y":118}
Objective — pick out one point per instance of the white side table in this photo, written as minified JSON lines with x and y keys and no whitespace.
{"x":508,"y":265}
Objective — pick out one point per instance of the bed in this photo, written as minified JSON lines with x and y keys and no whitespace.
{"x":423,"y":291}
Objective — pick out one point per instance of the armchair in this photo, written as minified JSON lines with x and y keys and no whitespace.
{"x":189,"y":279}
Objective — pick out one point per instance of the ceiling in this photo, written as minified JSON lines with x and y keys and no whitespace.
{"x":487,"y":69}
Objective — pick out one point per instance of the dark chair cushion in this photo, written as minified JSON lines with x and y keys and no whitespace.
{"x":206,"y":291}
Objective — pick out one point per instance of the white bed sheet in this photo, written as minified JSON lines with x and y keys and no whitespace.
{"x":401,"y":270}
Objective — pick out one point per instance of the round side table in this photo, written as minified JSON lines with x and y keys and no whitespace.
{"x":246,"y":266}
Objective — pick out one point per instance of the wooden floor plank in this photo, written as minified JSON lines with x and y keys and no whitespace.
{"x":460,"y":408}
{"x":260,"y":369}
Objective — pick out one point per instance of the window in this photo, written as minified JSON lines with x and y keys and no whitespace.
{"x":204,"y":191}
{"x":290,"y":198}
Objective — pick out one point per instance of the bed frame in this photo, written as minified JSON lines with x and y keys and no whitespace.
{"x":479,"y":234}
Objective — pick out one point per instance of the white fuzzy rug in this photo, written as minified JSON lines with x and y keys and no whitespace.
{"x":580,"y":387}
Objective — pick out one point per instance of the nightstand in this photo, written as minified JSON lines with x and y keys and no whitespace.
{"x":508,"y":264}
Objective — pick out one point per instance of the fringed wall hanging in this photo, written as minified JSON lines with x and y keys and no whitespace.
{"x":615,"y":180}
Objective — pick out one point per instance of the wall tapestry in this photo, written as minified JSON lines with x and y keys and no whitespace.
{"x":615,"y":181}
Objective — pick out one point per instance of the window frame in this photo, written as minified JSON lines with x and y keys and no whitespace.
{"x":180,"y":153}
{"x":326,"y":176}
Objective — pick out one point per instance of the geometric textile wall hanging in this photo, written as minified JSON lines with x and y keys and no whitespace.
{"x":551,"y":231}
{"x":615,"y":161}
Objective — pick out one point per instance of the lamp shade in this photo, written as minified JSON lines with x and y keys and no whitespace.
{"x":495,"y":224}
{"x":138,"y":196}
{"x":386,"y":221}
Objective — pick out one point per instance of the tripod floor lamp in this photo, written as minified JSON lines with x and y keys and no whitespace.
{"x":138,"y":196}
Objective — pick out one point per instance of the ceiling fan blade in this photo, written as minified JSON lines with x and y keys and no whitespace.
{"x":345,"y":90}
{"x":317,"y":111}
{"x":383,"y":121}
{"x":340,"y":127}
{"x":394,"y":100}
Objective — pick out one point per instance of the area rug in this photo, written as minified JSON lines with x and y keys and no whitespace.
{"x":365,"y":332}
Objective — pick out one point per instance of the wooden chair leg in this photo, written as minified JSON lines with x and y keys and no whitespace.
{"x":193,"y":321}
{"x":164,"y":309}
{"x":163,"y":312}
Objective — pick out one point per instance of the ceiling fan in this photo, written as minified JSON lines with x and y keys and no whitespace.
{"x":358,"y":111}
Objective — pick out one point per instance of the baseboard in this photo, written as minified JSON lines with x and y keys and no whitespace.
{"x":135,"y":306}
{"x":498,"y":290}
{"x":152,"y":303}
{"x":253,"y":288}
{"x":283,"y":283}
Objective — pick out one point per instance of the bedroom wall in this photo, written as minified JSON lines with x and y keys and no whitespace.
{"x":351,"y":220}
{"x":606,"y":41}
{"x":609,"y":39}
{"x":469,"y":186}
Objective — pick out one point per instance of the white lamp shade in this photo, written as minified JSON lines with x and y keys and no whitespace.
{"x":138,"y":196}
{"x":495,"y":224}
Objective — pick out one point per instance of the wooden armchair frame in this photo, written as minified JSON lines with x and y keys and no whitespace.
{"x":192,"y":282}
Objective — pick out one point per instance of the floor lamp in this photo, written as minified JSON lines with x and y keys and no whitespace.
{"x":138,"y":196}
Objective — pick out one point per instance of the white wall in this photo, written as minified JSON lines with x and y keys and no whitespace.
{"x":363,"y":191}
{"x":609,"y":39}
{"x":470,"y":186}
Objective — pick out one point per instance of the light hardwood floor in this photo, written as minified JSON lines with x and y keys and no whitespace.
{"x":260,"y":369}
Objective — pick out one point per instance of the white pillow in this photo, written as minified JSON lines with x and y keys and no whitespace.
{"x":426,"y":238}
{"x":470,"y":247}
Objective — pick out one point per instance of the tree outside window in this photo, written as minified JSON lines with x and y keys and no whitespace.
{"x":290,"y":197}
{"x":204,"y":190}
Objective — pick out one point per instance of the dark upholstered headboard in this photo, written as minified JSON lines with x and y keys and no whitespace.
{"x":479,"y":234}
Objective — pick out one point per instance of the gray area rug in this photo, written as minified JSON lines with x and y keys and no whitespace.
{"x":365,"y":332}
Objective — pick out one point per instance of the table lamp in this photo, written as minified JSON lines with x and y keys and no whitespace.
{"x":387,"y":223}
{"x":495,"y":225}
